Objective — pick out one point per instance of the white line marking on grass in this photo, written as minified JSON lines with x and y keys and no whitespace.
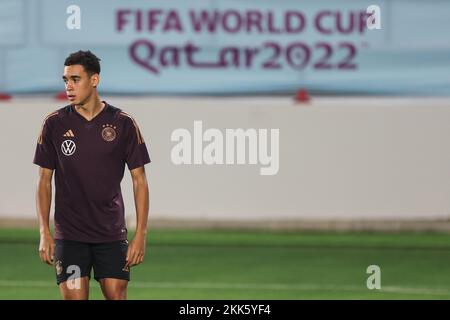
{"x":246,"y":286}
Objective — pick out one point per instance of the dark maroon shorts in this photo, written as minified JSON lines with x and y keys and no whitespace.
{"x":75,"y":259}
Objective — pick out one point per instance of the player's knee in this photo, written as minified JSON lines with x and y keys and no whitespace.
{"x":114,"y":290}
{"x":75,"y":297}
{"x":116,"y":295}
{"x":75,"y":294}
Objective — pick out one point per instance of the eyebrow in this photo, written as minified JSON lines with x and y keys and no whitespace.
{"x":71,"y":77}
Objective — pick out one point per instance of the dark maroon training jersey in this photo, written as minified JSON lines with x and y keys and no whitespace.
{"x":89,"y":160}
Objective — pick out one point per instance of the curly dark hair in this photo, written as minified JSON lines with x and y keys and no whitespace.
{"x":87,"y":59}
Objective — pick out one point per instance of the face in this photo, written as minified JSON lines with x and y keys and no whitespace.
{"x":80,"y":86}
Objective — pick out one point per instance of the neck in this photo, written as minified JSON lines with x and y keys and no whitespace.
{"x":92,"y":107}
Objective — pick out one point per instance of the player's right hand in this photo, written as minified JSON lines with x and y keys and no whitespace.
{"x":47,"y":249}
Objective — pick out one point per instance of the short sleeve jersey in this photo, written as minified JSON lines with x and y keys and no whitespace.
{"x":89,"y":159}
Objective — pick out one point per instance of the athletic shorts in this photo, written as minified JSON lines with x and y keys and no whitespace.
{"x":75,"y":259}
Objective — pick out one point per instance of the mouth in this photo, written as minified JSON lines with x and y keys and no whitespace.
{"x":71,"y":97}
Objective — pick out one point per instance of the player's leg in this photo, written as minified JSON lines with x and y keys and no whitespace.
{"x":73,"y":263}
{"x":114,"y":289}
{"x":77,"y":289}
{"x":109,"y":261}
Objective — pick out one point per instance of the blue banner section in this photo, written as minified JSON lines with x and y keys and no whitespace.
{"x":230,"y":46}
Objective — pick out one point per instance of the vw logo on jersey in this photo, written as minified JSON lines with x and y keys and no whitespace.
{"x":68,"y":147}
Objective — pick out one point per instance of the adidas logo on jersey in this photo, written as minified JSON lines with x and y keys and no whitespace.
{"x":69,"y":133}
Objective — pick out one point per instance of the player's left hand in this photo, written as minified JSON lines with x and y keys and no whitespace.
{"x":136,"y":250}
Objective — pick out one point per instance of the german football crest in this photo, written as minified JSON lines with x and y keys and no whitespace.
{"x":108,"y":132}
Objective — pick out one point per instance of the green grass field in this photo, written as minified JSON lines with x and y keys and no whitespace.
{"x":253,"y":265}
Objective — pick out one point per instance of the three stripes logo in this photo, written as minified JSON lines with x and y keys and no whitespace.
{"x":69,"y":133}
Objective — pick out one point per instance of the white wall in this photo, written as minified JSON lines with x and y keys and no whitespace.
{"x":340,"y":158}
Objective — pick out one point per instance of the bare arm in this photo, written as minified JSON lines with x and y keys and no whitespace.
{"x":136,"y":250}
{"x":43,"y":204}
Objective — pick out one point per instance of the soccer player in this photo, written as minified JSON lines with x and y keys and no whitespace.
{"x":87,"y":144}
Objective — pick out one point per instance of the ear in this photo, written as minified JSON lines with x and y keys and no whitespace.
{"x":95,"y":79}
